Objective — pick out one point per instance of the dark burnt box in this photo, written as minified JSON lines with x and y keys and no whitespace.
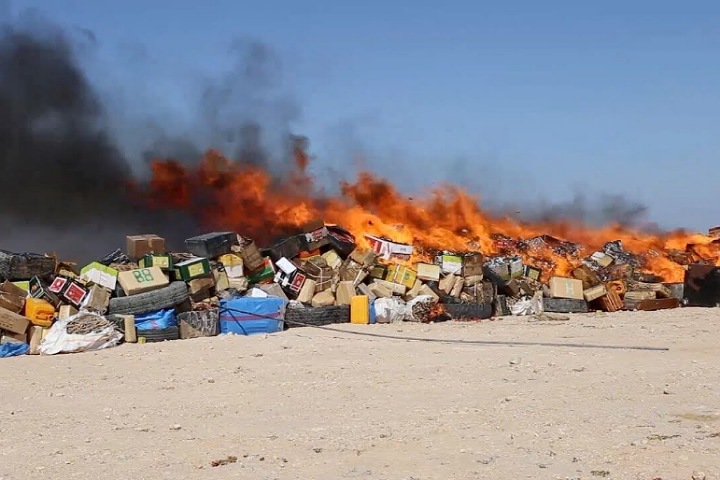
{"x":701,"y":287}
{"x":38,"y":289}
{"x":211,"y":245}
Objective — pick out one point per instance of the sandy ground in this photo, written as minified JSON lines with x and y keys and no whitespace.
{"x":312,"y":404}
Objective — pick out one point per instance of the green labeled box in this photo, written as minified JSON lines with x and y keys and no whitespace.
{"x":192,"y":268}
{"x":165,"y":262}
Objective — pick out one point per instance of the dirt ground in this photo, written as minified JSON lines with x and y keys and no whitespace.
{"x":313,"y":404}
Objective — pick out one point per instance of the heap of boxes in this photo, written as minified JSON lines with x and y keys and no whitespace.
{"x":322,"y":267}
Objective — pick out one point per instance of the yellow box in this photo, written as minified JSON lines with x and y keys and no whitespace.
{"x":360,"y":309}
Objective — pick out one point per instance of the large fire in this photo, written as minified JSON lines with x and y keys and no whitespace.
{"x":231,"y":195}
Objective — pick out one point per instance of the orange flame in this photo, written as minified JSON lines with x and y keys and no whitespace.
{"x":231,"y":195}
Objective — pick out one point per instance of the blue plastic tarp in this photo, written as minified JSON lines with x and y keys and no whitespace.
{"x":156,"y":320}
{"x":252,"y":315}
{"x":12,"y":349}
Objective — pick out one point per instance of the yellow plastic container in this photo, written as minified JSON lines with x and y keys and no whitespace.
{"x":360,"y":309}
{"x":39,"y":311}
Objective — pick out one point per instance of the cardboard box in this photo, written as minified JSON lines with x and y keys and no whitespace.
{"x":137,"y":246}
{"x":473,"y":264}
{"x":593,"y":293}
{"x":67,"y":311}
{"x":24,"y":285}
{"x":532,"y":273}
{"x":142,"y":280}
{"x":402,"y":275}
{"x":345,"y":292}
{"x":75,"y":293}
{"x":450,"y":264}
{"x":59,"y":284}
{"x":98,"y":274}
{"x":365,"y":258}
{"x":165,"y":262}
{"x":561,"y":287}
{"x":38,"y":289}
{"x":264,"y":274}
{"x":222,"y":281}
{"x":395,"y":288}
{"x":428,"y":272}
{"x":388,"y":249}
{"x":12,"y":297}
{"x":307,"y":292}
{"x":192,"y":268}
{"x":198,"y":285}
{"x":250,"y":253}
{"x":18,"y":337}
{"x":602,"y":259}
{"x":333,"y":259}
{"x":586,"y":275}
{"x":233,"y":264}
{"x":97,"y":300}
{"x":12,"y":322}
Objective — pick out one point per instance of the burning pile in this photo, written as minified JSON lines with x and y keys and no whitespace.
{"x":227,"y":195}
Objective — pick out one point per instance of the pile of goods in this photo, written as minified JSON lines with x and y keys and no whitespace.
{"x":224,"y":283}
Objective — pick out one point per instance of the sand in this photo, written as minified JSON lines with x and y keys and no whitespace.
{"x":313,"y":404}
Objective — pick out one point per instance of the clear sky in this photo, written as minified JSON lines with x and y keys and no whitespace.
{"x":534,"y":100}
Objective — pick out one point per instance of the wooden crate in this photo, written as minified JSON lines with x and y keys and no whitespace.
{"x":610,"y":302}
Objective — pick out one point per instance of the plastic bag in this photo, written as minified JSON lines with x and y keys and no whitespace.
{"x":156,"y":320}
{"x":389,"y":310}
{"x":58,"y":340}
{"x":419,"y":308}
{"x":528,"y":305}
{"x":13,"y":349}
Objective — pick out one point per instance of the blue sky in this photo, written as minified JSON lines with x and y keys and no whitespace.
{"x":520,"y":100}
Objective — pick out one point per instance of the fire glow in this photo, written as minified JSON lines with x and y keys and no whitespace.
{"x":235,"y":196}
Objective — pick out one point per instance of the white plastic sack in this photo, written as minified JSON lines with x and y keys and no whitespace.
{"x":418,"y":309}
{"x":59,"y":341}
{"x":389,"y":310}
{"x":528,"y":305}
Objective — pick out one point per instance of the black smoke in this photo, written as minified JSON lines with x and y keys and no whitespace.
{"x":65,"y":178}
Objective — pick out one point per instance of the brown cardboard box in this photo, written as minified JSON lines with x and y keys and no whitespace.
{"x":473,"y":264}
{"x":12,"y":322}
{"x":142,"y":280}
{"x":250,"y":253}
{"x":364,"y":257}
{"x":345,"y":292}
{"x":396,"y":288}
{"x":20,"y":337}
{"x":447,"y":283}
{"x":593,"y":293}
{"x":200,"y":285}
{"x":11,"y":302}
{"x":323,"y":299}
{"x":97,"y":299}
{"x":67,"y":311}
{"x":561,"y":287}
{"x":380,"y":290}
{"x":307,"y":291}
{"x":428,"y":272}
{"x":585,"y":274}
{"x":137,"y":246}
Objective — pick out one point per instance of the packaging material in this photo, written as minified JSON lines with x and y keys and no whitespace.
{"x":212,"y":245}
{"x":12,"y":297}
{"x":67,"y":311}
{"x":428,"y":272}
{"x":264,"y":274}
{"x":344,"y":293}
{"x":220,"y":277}
{"x":389,"y":310}
{"x":287,"y":248}
{"x":450,"y":263}
{"x":39,"y":289}
{"x":59,"y":340}
{"x":593,"y":293}
{"x":250,"y":253}
{"x":420,"y":309}
{"x":561,"y":287}
{"x":99,"y":274}
{"x":249,"y":316}
{"x":527,"y":305}
{"x":142,"y":280}
{"x":233,"y":264}
{"x":75,"y":293}
{"x":157,"y":320}
{"x":387,"y":249}
{"x":137,"y":246}
{"x":401,"y":275}
{"x":506,"y":268}
{"x":192,"y":268}
{"x":472,"y":264}
{"x":129,"y":330}
{"x":165,"y":262}
{"x":307,"y":292}
{"x":198,"y":324}
{"x":323,"y":299}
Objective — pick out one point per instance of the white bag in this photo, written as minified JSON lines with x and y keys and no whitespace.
{"x":389,"y":310}
{"x":528,"y":305}
{"x":59,"y":341}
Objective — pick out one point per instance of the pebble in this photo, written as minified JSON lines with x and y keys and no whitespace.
{"x":698,"y":476}
{"x":211,"y":380}
{"x":516,"y":361}
{"x":175,"y":427}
